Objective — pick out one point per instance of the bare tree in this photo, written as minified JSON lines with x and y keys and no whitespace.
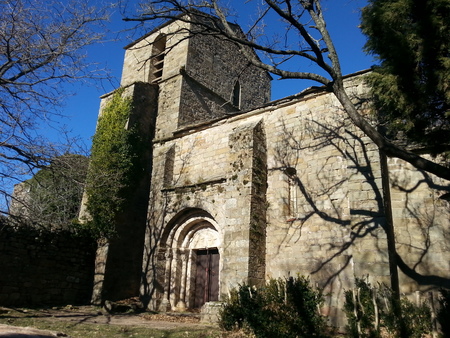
{"x":305,"y":38}
{"x":41,"y":51}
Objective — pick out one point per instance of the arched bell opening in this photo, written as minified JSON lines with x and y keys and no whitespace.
{"x":192,"y":253}
{"x":157,"y":59}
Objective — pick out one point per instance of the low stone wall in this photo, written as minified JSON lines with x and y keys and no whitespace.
{"x":42,"y":268}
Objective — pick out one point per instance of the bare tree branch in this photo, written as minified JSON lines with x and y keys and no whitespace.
{"x":42,"y":48}
{"x":314,"y":43}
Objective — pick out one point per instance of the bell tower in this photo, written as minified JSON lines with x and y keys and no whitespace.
{"x":200,"y":77}
{"x":176,"y":80}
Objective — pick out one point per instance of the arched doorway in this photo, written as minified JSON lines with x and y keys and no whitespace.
{"x":192,"y":267}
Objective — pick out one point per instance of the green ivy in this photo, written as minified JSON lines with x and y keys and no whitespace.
{"x":115,"y":165}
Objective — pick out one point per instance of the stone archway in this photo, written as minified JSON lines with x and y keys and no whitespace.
{"x":192,"y":267}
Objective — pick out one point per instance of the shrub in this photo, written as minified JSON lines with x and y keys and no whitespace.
{"x":369,"y":312}
{"x":360,"y":311}
{"x":282,"y":308}
{"x":417,"y":319}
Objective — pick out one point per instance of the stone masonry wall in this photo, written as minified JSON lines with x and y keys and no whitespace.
{"x":210,"y":80}
{"x":258,"y":209}
{"x":45,"y":268}
{"x":198,"y":78}
{"x":322,"y":196}
{"x":421,"y":226}
{"x":213,"y":173}
{"x":137,"y":67}
{"x":209,"y":63}
{"x":325,"y":215}
{"x":291,"y":187}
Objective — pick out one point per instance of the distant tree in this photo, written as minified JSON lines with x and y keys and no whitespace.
{"x":411,"y":86}
{"x":52,"y":198}
{"x":301,"y":39}
{"x":41,"y":50}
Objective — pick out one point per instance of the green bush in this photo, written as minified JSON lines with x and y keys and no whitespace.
{"x":417,"y":319}
{"x":282,"y":308}
{"x":366,"y":303}
{"x":360,"y":311}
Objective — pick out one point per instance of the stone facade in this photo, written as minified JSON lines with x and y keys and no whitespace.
{"x":270,"y":189}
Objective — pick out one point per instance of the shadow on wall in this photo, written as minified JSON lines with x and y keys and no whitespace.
{"x":155,"y":256}
{"x":343,"y":196}
{"x":335,"y":213}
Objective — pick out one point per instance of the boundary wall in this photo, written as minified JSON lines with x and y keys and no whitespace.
{"x":41,"y":268}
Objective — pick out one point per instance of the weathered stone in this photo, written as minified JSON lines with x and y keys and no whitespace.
{"x":38,"y":274}
{"x":269,"y":189}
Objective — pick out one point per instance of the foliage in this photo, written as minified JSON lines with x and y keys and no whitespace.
{"x":115,"y":165}
{"x":360,"y":311}
{"x":41,"y":52}
{"x":369,"y":312}
{"x":416,"y":317}
{"x":55,"y":192}
{"x":411,"y":86}
{"x":282,"y":308}
{"x":444,"y":312}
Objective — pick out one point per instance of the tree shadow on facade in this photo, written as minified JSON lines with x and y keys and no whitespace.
{"x":422,"y":234}
{"x":350,"y":195}
{"x":164,"y":254}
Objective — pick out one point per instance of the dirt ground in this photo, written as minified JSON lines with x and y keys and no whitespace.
{"x":95,"y":315}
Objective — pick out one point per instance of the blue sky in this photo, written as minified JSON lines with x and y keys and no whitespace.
{"x":342,"y":21}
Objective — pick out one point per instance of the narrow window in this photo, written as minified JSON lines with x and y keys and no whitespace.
{"x":293,"y":191}
{"x":293,"y":198}
{"x":236,"y":100}
{"x":168,"y":167}
{"x":157,"y":60}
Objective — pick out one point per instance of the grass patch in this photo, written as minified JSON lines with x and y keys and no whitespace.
{"x":43,"y":321}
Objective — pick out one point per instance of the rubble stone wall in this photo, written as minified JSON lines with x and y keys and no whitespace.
{"x":323,"y":202}
{"x":422,"y":227}
{"x":45,"y":268}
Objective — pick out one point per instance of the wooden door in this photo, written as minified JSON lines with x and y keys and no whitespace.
{"x":207,"y":277}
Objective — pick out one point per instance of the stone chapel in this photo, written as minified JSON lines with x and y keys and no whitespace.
{"x":241,"y":189}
